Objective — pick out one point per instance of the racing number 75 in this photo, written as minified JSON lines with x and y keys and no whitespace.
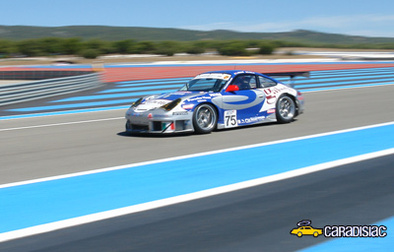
{"x":230,"y":118}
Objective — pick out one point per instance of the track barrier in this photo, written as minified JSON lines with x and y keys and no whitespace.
{"x":45,"y":84}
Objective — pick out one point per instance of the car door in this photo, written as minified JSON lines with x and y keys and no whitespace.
{"x":242,"y":107}
{"x":269,"y":86}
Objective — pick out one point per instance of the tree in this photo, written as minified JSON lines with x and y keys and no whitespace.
{"x":233,"y":48}
{"x":6,"y":48}
{"x":196,"y":48}
{"x":266,"y":48}
{"x":71,"y":46}
{"x":125,"y":46}
{"x":145,"y":47}
{"x":168,"y":48}
{"x":30,"y":48}
{"x":50,"y":46}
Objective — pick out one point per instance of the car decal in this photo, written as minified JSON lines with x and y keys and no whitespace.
{"x":239,"y":102}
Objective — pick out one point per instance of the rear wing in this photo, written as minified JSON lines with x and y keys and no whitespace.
{"x":292,"y":75}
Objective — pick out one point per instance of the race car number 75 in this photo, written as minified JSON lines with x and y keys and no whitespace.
{"x":230,"y":118}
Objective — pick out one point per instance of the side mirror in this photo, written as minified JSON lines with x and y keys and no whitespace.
{"x":232,"y":88}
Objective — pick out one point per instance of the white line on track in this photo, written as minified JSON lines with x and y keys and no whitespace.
{"x":184,"y":198}
{"x":60,"y":124}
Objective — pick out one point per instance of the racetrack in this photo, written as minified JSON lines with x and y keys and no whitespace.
{"x":46,"y":146}
{"x":54,"y":145}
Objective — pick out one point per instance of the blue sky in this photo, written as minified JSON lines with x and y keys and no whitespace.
{"x":352,"y":17}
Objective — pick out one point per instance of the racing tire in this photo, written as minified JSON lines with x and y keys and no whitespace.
{"x":204,"y":119}
{"x":285,"y":109}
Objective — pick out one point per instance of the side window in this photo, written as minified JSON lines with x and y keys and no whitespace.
{"x":265,"y":82}
{"x":253,"y":82}
{"x":245,"y":81}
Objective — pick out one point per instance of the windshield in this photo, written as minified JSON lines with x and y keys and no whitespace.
{"x":208,"y":84}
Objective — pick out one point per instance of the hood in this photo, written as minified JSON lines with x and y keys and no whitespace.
{"x":178,"y":94}
{"x":156,"y":101}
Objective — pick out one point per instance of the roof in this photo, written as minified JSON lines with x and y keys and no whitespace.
{"x":234,"y":72}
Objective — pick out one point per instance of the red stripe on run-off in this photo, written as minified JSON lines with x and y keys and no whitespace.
{"x":115,"y":74}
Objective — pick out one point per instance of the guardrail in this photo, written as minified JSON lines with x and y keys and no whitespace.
{"x":38,"y":75}
{"x":27,"y":91}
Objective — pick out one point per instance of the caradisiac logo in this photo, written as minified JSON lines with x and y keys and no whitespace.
{"x":305,"y":228}
{"x":339,"y":231}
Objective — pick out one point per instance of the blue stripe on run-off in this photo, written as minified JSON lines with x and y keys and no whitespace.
{"x":45,"y":202}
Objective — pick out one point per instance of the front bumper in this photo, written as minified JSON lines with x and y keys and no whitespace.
{"x":158,"y":121}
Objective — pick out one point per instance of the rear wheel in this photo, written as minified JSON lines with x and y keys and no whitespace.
{"x":285,"y":109}
{"x":204,"y":119}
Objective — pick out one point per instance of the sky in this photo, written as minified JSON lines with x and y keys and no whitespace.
{"x":351,"y":17}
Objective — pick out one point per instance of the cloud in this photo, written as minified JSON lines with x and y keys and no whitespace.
{"x":365,"y":25}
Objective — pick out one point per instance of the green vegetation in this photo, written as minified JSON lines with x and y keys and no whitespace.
{"x":93,"y":41}
{"x":113,"y":33}
{"x":93,"y":48}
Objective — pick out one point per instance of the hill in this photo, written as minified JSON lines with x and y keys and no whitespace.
{"x":110,"y":33}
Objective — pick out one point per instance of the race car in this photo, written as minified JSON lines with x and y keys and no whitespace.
{"x":217,"y":100}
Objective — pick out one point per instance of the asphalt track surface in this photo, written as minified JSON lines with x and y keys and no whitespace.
{"x":247,"y":220}
{"x":54,"y":145}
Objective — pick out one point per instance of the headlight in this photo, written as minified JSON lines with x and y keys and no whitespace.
{"x":136,"y":103}
{"x":170,"y":106}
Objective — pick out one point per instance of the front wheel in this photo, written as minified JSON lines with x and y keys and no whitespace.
{"x":285,"y":109}
{"x":204,"y":119}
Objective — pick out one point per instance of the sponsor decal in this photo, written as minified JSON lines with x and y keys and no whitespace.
{"x":156,"y":102}
{"x":271,"y":99}
{"x":180,"y":113}
{"x":221,"y":76}
{"x":252,"y":119}
{"x":274,"y":90}
{"x":271,"y":111}
{"x":199,"y":98}
{"x":214,"y":95}
{"x":339,"y":231}
{"x":241,"y":72}
{"x":160,"y":116}
{"x":188,"y":106}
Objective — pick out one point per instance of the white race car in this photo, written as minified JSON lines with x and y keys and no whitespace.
{"x":217,"y":100}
